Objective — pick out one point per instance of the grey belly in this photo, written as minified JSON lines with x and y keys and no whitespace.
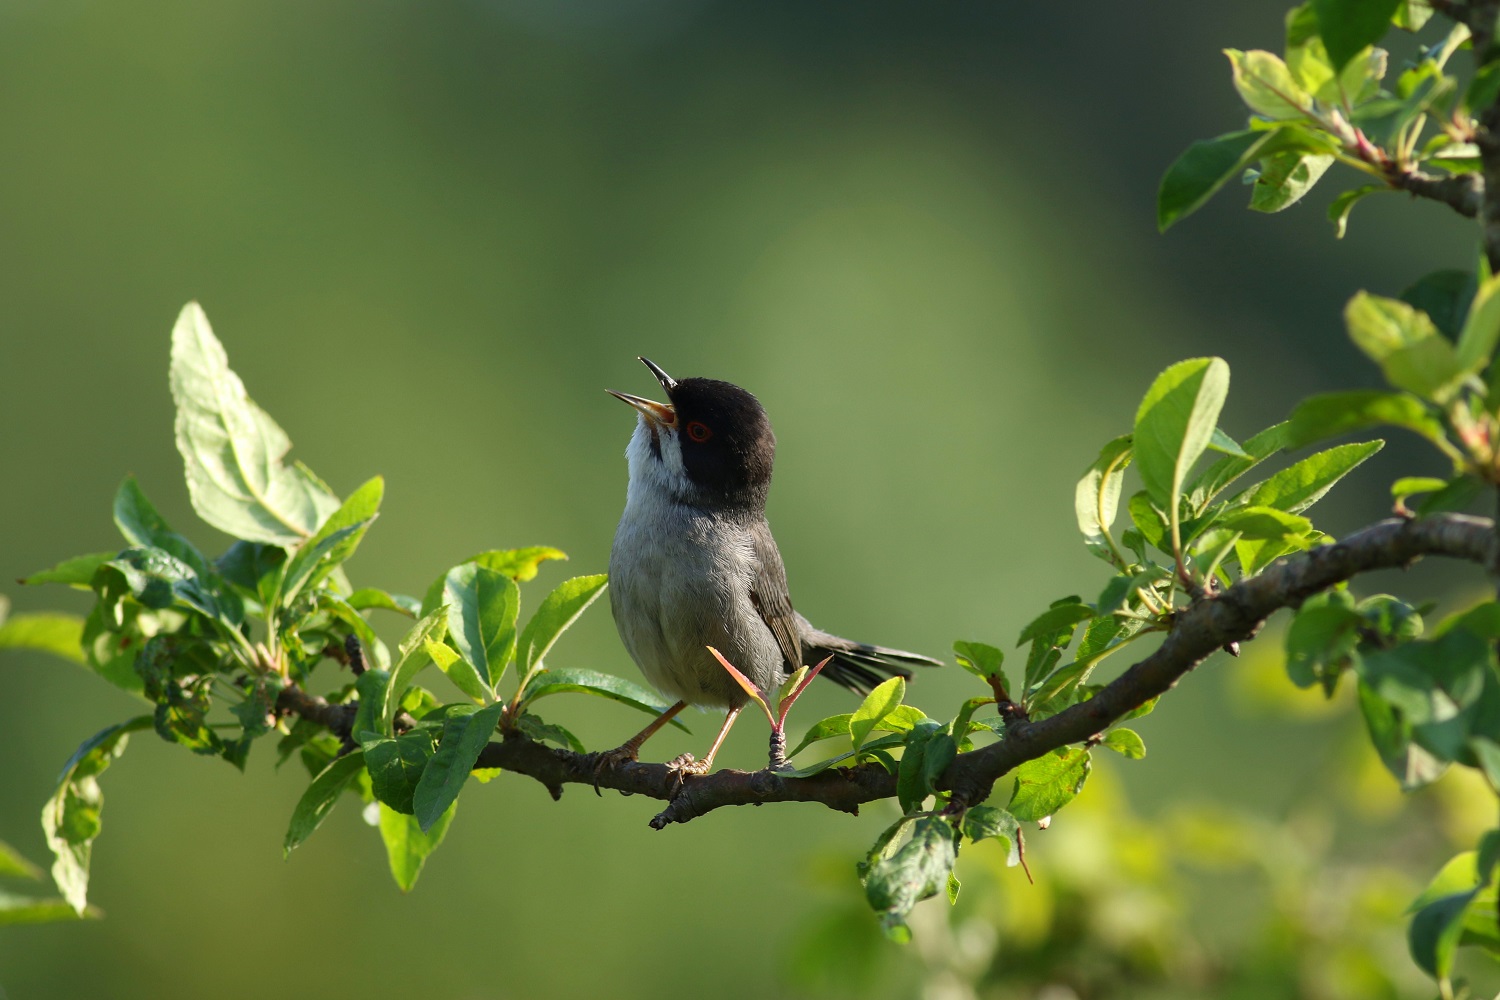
{"x":673,"y":595}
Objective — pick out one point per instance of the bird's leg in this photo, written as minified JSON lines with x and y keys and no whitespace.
{"x":631,"y":748}
{"x":688,"y":764}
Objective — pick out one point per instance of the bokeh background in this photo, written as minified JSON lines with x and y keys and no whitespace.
{"x":431,"y":235}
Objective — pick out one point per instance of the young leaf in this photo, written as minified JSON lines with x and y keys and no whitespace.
{"x":1175,"y":421}
{"x":558,"y":610}
{"x":1347,"y":26}
{"x":1096,"y":499}
{"x":1063,"y":615}
{"x":48,"y":632}
{"x":1266,"y":86}
{"x":1046,"y":784}
{"x":1340,"y":207}
{"x":1125,"y":741}
{"x":984,"y":822}
{"x":980,"y":659}
{"x":1201,"y":170}
{"x":71,"y":817}
{"x":371,"y":597}
{"x":877,"y":705}
{"x":75,"y":572}
{"x":1481,"y":330}
{"x":917,"y":871}
{"x":335,"y":541}
{"x":143,"y":527}
{"x":1285,"y":178}
{"x":482,"y":608}
{"x":407,"y":846}
{"x":396,"y":767}
{"x":320,"y":798}
{"x":518,"y":564}
{"x":232,"y":449}
{"x":459,"y":670}
{"x":1298,"y":487}
{"x":614,"y":688}
{"x":414,"y":656}
{"x":464,"y":737}
{"x":1333,"y":413}
{"x":1406,"y":345}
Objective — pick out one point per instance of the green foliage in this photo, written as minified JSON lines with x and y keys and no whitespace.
{"x":216,"y":644}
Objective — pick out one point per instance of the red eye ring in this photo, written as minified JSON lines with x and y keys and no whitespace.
{"x":698,"y":431}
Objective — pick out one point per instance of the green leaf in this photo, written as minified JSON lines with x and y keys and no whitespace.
{"x":414,"y":656}
{"x":464,"y":737}
{"x":877,"y":705}
{"x":13,"y":865}
{"x":1347,"y":26}
{"x":823,"y":729}
{"x":396,"y":767}
{"x":1202,"y":170}
{"x":1447,"y":298}
{"x":459,"y":670}
{"x":1322,"y":639}
{"x":985,"y":822}
{"x":534,"y":728}
{"x":1481,"y":330}
{"x":1329,"y":414}
{"x":980,"y":659}
{"x":71,"y":817}
{"x":143,"y":527}
{"x":320,"y":798}
{"x":1214,"y":479}
{"x":1096,"y":499}
{"x":1285,"y":178}
{"x":1411,"y":486}
{"x":1051,"y":781}
{"x":1059,"y":617}
{"x":1340,"y":207}
{"x":1257,"y":522}
{"x":1266,"y":86}
{"x":928,"y":753}
{"x":407,"y":846}
{"x":253,"y":567}
{"x":1148,"y":520}
{"x":558,"y":610}
{"x":1406,"y":345}
{"x":918,"y":870}
{"x":1175,"y":422}
{"x":873,"y":749}
{"x":232,"y":449}
{"x":1125,"y":741}
{"x":75,"y":572}
{"x":1298,"y":487}
{"x":17,"y":910}
{"x":518,"y":564}
{"x":1484,"y":89}
{"x":335,"y":540}
{"x":614,"y":688}
{"x":482,"y":608}
{"x":370,"y":597}
{"x":48,"y":632}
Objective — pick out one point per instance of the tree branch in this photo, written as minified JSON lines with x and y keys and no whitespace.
{"x":1464,"y":193}
{"x":1208,"y":625}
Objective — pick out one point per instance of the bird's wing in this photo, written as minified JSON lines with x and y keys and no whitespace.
{"x":768,"y":592}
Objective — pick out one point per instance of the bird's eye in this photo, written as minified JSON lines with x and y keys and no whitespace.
{"x":698,"y":431}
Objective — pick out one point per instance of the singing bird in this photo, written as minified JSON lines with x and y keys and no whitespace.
{"x":694,"y":565}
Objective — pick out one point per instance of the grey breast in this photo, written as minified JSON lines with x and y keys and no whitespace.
{"x":680,"y":582}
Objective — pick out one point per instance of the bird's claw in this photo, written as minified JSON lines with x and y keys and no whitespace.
{"x":607,"y":760}
{"x":683,"y":766}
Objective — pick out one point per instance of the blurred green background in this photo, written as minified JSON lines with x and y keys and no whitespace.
{"x":431,"y":235}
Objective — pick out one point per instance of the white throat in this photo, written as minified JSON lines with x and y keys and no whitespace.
{"x":653,"y":478}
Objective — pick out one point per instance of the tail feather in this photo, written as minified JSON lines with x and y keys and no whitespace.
{"x":858,"y":666}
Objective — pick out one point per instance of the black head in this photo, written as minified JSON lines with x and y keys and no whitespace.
{"x":727,"y":444}
{"x":721,"y":434}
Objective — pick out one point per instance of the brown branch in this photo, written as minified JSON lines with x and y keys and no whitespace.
{"x":1207,"y":626}
{"x":1464,"y":193}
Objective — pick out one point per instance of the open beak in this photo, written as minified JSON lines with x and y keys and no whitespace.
{"x":661,"y":414}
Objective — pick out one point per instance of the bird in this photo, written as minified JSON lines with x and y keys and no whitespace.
{"x":694,"y":565}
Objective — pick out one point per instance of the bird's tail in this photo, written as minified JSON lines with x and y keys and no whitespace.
{"x":858,"y":666}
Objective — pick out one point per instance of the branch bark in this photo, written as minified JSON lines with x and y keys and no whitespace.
{"x":1208,"y":625}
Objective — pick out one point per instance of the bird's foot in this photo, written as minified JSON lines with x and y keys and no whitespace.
{"x":685,"y":765}
{"x":607,"y":760}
